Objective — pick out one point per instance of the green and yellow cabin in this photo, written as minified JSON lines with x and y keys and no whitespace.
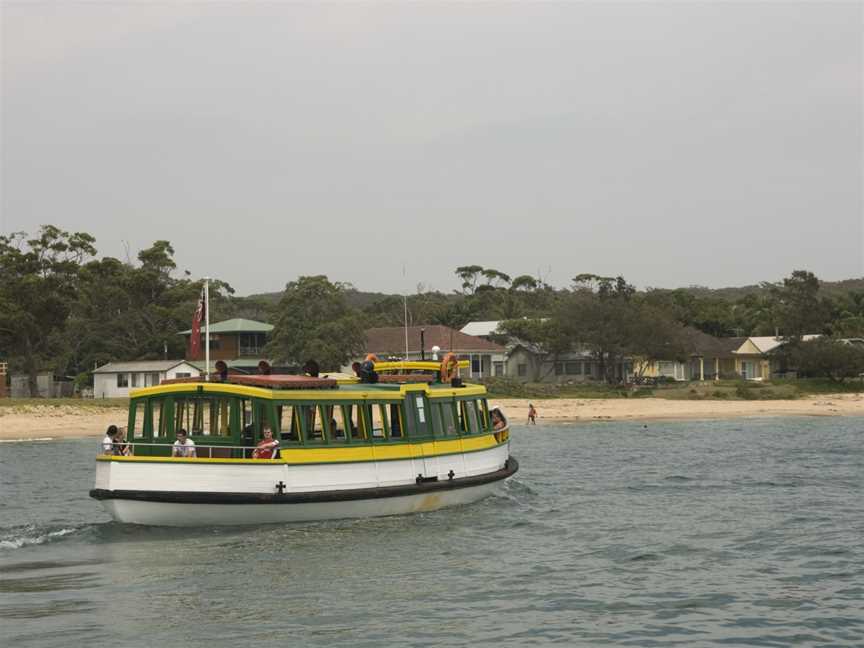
{"x":225,"y":419}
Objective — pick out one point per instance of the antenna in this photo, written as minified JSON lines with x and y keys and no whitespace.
{"x":405,"y":305}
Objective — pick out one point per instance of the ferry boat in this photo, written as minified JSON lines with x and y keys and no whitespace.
{"x":407,"y":442}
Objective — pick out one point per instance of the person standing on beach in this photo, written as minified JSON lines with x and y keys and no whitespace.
{"x":532,"y":414}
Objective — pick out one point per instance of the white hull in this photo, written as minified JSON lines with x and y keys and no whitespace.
{"x":184,"y":514}
{"x":193,"y":493}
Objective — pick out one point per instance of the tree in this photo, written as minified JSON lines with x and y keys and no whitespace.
{"x":39,"y":285}
{"x":828,"y":358}
{"x":129,"y":312}
{"x":652,"y":334}
{"x":800,"y":310}
{"x":469,"y":275}
{"x":314,"y":321}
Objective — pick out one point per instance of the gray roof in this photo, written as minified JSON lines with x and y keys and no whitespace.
{"x":233,"y":362}
{"x":236,"y":325}
{"x":480,"y":329}
{"x":138,"y":365}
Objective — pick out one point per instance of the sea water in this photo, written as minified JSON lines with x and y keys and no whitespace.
{"x":701,"y":533}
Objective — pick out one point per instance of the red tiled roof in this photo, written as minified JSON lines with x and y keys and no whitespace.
{"x":390,"y":340}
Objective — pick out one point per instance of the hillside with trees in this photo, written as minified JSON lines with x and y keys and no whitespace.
{"x":65,"y":309}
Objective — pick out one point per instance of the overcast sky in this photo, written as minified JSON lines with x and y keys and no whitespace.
{"x":714,"y":143}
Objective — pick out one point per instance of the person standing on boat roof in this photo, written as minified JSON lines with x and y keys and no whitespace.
{"x":183,"y":446}
{"x":267,"y":447}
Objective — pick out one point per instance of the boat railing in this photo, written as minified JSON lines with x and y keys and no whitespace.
{"x":201,"y":451}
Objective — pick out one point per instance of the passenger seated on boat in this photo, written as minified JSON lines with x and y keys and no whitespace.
{"x":183,"y":446}
{"x":268,"y":447}
{"x":498,"y":421}
{"x":110,"y":439}
{"x":121,"y":448}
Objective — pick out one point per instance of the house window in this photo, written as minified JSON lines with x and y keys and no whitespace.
{"x":522,"y":370}
{"x":251,"y":344}
{"x":183,"y":374}
{"x":134,"y":379}
{"x":559,"y":368}
{"x":573,"y":368}
{"x":498,"y":368}
{"x":122,"y":380}
{"x":475,"y":365}
{"x":154,"y":378}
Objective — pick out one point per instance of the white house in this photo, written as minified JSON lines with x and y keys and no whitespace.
{"x":114,"y":380}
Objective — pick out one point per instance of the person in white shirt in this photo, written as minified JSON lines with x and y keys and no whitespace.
{"x":110,"y":439}
{"x":183,"y":446}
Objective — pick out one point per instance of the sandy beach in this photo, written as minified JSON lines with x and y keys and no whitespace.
{"x":555,"y":411}
{"x":63,"y":422}
{"x":48,"y":422}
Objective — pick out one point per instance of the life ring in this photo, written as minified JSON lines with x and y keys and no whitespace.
{"x":449,"y":367}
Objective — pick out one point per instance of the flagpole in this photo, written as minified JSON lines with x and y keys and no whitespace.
{"x":207,"y":325}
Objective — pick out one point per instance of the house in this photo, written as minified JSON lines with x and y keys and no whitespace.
{"x":709,"y":358}
{"x":47,"y":386}
{"x":389,"y":342}
{"x":756,"y":358}
{"x":115,"y":379}
{"x":238,"y":342}
{"x":527,"y":362}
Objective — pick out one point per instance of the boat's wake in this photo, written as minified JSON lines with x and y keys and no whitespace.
{"x":31,"y":534}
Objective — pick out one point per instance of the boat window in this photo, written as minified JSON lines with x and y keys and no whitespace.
{"x":289,"y":423}
{"x":202,"y":416}
{"x":138,"y":419}
{"x":339,"y":423}
{"x":484,"y":414}
{"x":443,"y":419}
{"x":395,"y":421}
{"x":378,"y":417}
{"x":158,"y":422}
{"x":473,"y":416}
{"x":245,"y":414}
{"x":355,"y":422}
{"x":220,"y":419}
{"x":313,"y":417}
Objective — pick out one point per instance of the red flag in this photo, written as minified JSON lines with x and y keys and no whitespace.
{"x":197,"y":318}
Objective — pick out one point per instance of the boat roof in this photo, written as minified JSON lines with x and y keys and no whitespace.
{"x":306,"y":388}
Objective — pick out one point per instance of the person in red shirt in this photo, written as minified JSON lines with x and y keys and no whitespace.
{"x":267,"y":447}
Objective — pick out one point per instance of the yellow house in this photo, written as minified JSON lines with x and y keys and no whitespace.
{"x":709,"y":358}
{"x":755,"y":360}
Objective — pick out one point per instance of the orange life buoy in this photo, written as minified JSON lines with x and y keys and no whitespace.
{"x":449,"y":367}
